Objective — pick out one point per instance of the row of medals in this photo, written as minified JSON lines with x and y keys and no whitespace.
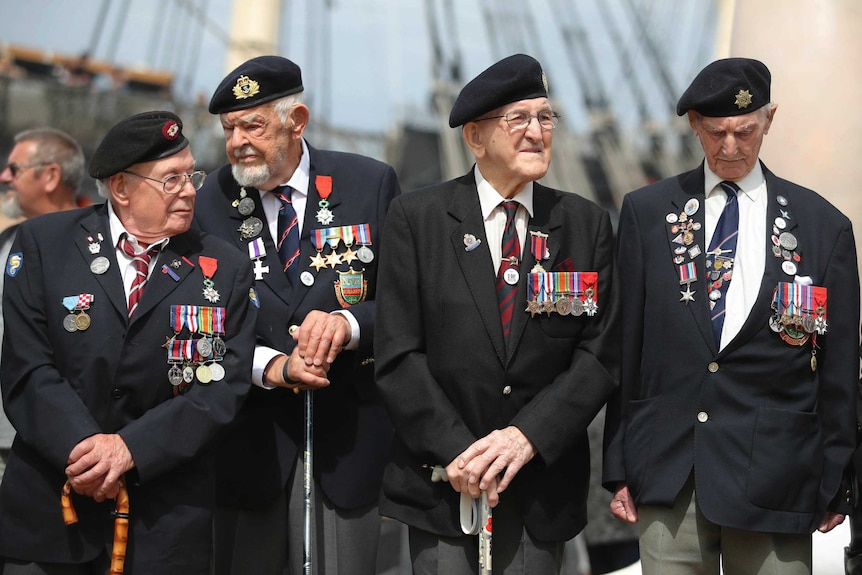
{"x":784,"y":245}
{"x":564,"y":305}
{"x":205,"y":373}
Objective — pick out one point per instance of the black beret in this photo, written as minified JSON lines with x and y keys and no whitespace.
{"x":515,"y":78}
{"x":255,"y":82}
{"x":729,"y":87}
{"x":140,"y":138}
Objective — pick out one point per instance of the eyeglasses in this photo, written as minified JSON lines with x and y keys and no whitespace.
{"x":521,"y":120}
{"x":173,"y":184}
{"x":16,"y":169}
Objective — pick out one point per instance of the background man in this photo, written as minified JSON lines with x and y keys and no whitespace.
{"x":96,"y":297}
{"x":498,"y":395}
{"x":42,"y":175}
{"x":740,"y":350}
{"x":309,"y":220}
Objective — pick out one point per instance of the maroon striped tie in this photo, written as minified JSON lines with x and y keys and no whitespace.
{"x":511,"y":255}
{"x":142,"y":269}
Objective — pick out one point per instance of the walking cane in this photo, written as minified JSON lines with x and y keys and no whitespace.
{"x":121,"y":523}
{"x":308,"y":484}
{"x":475,"y":516}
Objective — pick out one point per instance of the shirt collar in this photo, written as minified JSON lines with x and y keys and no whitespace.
{"x":489,"y":198}
{"x":750,"y":186}
{"x":300,"y":176}
{"x":118,"y":229}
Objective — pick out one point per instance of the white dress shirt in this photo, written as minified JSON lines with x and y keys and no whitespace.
{"x":494,"y":216}
{"x":749,"y":261}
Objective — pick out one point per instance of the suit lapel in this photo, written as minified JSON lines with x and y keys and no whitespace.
{"x":475,"y":264}
{"x":690,"y":190}
{"x":111,"y":280}
{"x":161,"y":284}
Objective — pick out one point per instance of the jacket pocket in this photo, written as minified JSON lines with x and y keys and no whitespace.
{"x":786,"y":460}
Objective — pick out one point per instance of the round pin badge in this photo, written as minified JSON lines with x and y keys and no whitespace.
{"x":789,"y":268}
{"x":307,"y":278}
{"x":511,"y":276}
{"x":780,"y":223}
{"x":782,"y":201}
{"x":691,"y":207}
{"x":671,"y":218}
{"x":100,"y":265}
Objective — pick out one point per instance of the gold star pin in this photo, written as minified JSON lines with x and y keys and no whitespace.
{"x":333,"y":259}
{"x":349,"y":255}
{"x":743,"y":99}
{"x":317,"y":261}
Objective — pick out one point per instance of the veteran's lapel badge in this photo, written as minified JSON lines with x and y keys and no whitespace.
{"x":351,"y":287}
{"x":471,"y":242}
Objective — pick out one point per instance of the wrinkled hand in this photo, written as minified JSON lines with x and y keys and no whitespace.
{"x":477,"y":469}
{"x":830,"y":521}
{"x":623,"y":506}
{"x":300,"y":375}
{"x":96,"y":464}
{"x":321,"y":337}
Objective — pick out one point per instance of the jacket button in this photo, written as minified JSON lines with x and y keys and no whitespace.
{"x":712,"y":367}
{"x":117,"y":393}
{"x":702,"y":417}
{"x":507,"y":390}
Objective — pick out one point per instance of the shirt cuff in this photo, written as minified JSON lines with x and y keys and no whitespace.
{"x":262,"y":357}
{"x":353,"y":344}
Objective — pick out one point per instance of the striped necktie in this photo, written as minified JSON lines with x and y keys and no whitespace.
{"x":511,"y":255}
{"x":287,"y":242}
{"x":141,"y":261}
{"x":720,"y":256}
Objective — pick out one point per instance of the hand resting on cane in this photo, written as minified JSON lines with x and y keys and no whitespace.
{"x":478,"y":468}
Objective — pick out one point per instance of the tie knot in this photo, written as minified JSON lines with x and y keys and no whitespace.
{"x":129,"y":250}
{"x":284,"y":194}
{"x":510,"y":208}
{"x":730,"y":188}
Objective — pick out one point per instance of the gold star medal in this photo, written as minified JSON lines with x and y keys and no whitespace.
{"x":743,"y":99}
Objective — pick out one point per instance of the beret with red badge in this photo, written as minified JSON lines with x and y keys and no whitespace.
{"x":140,"y":138}
{"x":255,"y":82}
{"x":727,"y":87}
{"x":517,"y":77}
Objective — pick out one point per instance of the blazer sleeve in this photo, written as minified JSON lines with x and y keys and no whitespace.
{"x":29,"y":375}
{"x":631,"y":258}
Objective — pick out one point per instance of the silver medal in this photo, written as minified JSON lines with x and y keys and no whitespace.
{"x":250,"y":228}
{"x":175,"y":375}
{"x":204,"y":347}
{"x":365,"y":254}
{"x":787,"y":241}
{"x":69,"y":323}
{"x":217,"y":372}
{"x":245,"y":207}
{"x":219,"y":347}
{"x":100,"y":265}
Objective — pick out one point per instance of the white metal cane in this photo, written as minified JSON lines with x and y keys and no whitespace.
{"x":308,"y":484}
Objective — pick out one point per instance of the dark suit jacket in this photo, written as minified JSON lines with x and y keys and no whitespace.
{"x":443,"y":372}
{"x":61,"y":387}
{"x":776,"y":437}
{"x":351,"y":430}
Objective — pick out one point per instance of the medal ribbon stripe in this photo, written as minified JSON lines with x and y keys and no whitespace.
{"x":511,"y":252}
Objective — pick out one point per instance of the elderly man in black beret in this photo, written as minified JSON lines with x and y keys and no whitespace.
{"x":736,"y":415}
{"x":132,"y":347}
{"x":496,"y":339}
{"x":310,"y":222}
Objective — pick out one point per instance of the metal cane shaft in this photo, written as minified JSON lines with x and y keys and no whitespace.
{"x":308,"y":484}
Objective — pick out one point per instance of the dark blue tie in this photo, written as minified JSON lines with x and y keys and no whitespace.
{"x":720,"y":257}
{"x":287,"y":241}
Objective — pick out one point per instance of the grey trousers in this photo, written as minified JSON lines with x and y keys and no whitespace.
{"x":681,"y":541}
{"x":270,"y":541}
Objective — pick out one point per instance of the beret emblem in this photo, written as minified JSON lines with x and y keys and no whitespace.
{"x":743,"y":99}
{"x":171,"y":130}
{"x":245,"y":88}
